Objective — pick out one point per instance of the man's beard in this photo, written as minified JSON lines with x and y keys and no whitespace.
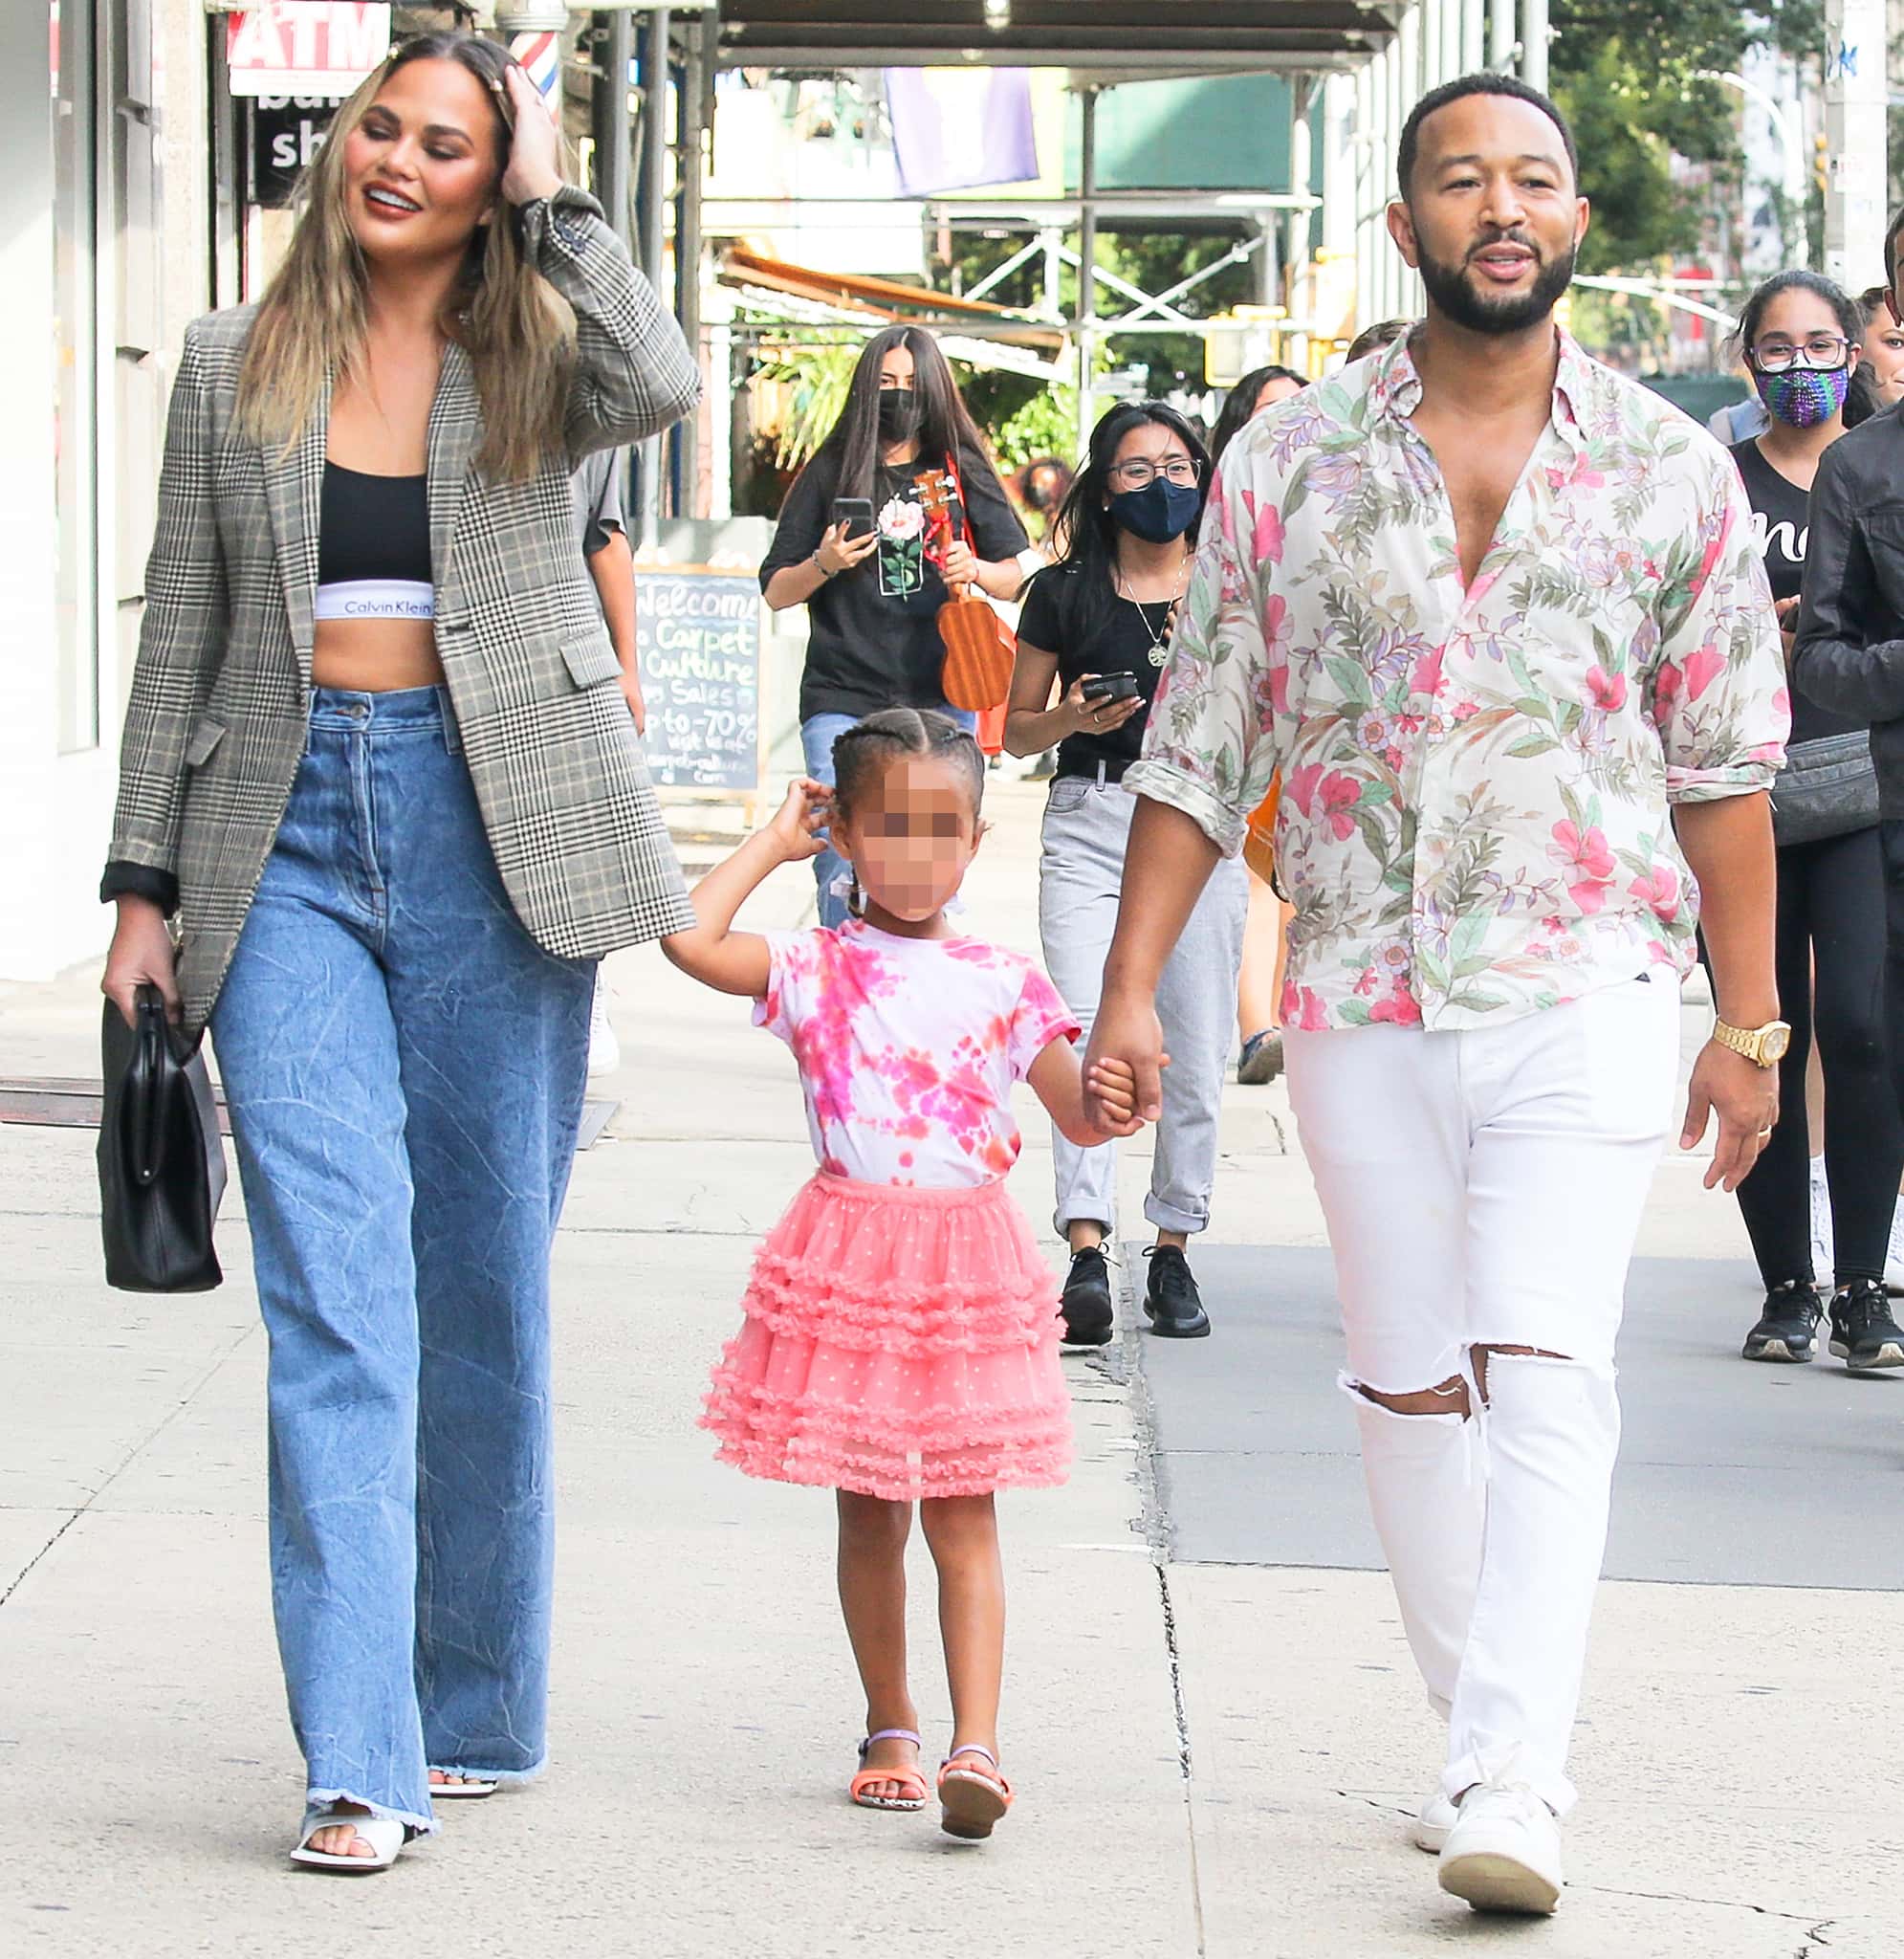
{"x":1448,"y":288}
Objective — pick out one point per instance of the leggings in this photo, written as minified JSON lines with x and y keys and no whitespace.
{"x":1831,"y":973}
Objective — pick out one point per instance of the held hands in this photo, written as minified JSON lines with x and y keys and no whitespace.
{"x":1124,"y":1067}
{"x":1111,"y":1098}
{"x":795,"y":826}
{"x":1745,"y":1098}
{"x":837,"y":553}
{"x":535,"y":167}
{"x":142,"y":955}
{"x":1096,"y":716}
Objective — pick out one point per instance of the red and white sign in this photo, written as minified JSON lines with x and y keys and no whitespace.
{"x":304,"y":47}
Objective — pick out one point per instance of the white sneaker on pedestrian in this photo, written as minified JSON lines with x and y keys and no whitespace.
{"x":1823,"y":1269}
{"x":605,"y":1051}
{"x":1893,"y":1256}
{"x":1430,"y":1827}
{"x":1503,"y":1853}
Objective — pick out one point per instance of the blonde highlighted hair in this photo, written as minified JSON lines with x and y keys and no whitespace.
{"x":515,"y":327}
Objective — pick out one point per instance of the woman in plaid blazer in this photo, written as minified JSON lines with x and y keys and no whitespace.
{"x":377,"y":761}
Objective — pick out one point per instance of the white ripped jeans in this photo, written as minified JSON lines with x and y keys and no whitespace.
{"x":1483,"y":1189}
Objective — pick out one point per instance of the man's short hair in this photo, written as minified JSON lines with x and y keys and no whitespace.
{"x":1459,"y":90}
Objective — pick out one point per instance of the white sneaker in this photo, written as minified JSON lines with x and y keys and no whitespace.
{"x":605,"y":1051}
{"x":1430,"y":1829}
{"x":1893,"y":1256}
{"x":1503,"y":1853}
{"x":1822,"y":1266}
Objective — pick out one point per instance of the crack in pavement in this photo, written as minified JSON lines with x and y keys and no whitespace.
{"x":1154,"y":1527}
{"x":1816,"y":1931}
{"x":131,"y":1456}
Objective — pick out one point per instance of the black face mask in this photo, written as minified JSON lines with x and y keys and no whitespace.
{"x":898,"y":414}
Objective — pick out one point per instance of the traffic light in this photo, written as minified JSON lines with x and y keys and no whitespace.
{"x":1820,"y":173}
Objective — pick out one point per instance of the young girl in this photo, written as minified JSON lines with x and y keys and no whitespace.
{"x":901,"y":1335}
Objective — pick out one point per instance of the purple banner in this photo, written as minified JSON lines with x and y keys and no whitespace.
{"x":957,"y":128}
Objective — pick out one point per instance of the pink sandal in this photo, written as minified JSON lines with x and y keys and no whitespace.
{"x":970,"y":1800}
{"x":868,"y":1779}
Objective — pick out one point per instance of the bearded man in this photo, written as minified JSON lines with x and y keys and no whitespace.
{"x":1496,"y":615}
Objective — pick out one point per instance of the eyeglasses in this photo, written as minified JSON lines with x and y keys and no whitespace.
{"x":1184,"y":471}
{"x":1823,"y":350}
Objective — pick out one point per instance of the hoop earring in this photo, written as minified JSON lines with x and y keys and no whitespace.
{"x":856,"y":898}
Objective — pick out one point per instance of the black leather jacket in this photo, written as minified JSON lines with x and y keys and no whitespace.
{"x":1849,"y":655}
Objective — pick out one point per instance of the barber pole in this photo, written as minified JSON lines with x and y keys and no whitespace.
{"x":541,"y":55}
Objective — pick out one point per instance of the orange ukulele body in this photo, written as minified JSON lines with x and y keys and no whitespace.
{"x":980,"y":648}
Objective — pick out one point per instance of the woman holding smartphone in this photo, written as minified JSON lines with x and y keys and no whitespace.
{"x":898,"y":506}
{"x":1092,"y":642}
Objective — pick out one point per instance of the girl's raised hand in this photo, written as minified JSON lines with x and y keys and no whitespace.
{"x":800,"y":818}
{"x":535,"y":167}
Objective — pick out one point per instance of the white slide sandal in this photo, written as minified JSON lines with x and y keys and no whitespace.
{"x":384,"y":1834}
{"x":471,"y":1788}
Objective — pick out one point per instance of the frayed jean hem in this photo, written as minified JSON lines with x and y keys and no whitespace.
{"x":474,"y":1772}
{"x":318,"y":1802}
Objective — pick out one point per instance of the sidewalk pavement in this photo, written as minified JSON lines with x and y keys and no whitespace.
{"x":1210,"y":1758}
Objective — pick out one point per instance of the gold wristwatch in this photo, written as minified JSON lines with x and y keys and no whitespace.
{"x":1765,"y":1046}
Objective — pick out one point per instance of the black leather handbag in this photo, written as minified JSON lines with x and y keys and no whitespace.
{"x":162,"y":1165}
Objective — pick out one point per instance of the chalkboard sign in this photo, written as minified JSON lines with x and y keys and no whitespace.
{"x":698,"y":634}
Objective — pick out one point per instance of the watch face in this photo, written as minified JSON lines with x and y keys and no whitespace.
{"x":1774,"y":1041}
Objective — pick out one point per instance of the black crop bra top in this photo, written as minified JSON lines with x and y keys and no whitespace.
{"x":372,"y":528}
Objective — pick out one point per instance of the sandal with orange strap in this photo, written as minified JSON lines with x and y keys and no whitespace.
{"x":870,"y":1778}
{"x":970,"y":1800}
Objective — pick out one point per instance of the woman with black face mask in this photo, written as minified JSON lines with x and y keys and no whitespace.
{"x":906,"y":446}
{"x":1092,"y":642}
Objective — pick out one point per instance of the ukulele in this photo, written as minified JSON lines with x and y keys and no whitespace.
{"x":979,"y":651}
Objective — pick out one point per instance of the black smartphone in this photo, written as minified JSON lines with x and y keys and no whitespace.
{"x":1103,"y":687}
{"x":856,"y":513}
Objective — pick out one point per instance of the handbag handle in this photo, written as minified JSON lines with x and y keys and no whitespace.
{"x":144,"y":1127}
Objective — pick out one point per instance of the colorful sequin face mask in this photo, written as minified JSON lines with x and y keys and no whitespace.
{"x":1803,"y":396}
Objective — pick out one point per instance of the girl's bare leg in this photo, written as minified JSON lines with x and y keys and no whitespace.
{"x":872,"y":1596}
{"x":962,"y":1533}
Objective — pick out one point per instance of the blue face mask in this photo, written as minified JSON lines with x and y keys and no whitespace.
{"x":1160,"y":511}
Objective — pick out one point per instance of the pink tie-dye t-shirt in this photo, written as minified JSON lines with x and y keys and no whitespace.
{"x":908,"y":1049}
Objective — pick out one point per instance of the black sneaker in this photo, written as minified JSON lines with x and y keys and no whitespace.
{"x":1171,"y":1299}
{"x":1786,"y":1325}
{"x":1863,"y":1334}
{"x":1085,"y":1301}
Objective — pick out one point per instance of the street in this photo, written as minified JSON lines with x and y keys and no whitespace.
{"x":1210,"y":1716}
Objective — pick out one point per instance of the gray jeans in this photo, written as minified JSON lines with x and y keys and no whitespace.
{"x":1080,"y":877}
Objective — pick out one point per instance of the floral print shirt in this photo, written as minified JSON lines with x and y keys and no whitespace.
{"x":1475,"y":782}
{"x":908,"y":1049}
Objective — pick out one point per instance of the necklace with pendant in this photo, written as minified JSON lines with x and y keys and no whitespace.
{"x":1160,"y":634}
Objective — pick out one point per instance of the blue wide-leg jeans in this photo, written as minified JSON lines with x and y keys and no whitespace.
{"x":405,"y":1067}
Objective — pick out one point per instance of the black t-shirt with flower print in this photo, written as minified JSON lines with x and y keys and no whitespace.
{"x":873,"y":638}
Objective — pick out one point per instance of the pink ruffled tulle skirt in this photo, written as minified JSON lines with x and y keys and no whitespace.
{"x":901,"y":1342}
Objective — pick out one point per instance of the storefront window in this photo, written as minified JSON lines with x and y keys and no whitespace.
{"x":74,"y":422}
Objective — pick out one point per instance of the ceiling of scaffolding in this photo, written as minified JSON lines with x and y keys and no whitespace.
{"x":1100,"y":40}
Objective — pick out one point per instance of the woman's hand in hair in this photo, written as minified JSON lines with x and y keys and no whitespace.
{"x":535,"y":167}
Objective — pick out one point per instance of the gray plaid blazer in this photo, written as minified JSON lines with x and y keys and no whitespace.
{"x":216,"y":722}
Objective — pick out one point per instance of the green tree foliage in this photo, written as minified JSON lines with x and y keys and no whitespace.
{"x":1625,"y":72}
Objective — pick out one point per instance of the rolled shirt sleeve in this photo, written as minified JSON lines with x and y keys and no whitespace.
{"x":1719,"y":697}
{"x":1221,"y":709}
